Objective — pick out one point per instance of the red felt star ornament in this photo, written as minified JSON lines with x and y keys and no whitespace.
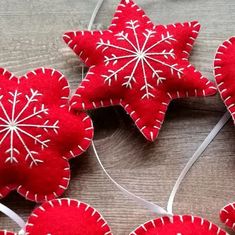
{"x":39,"y":133}
{"x":137,"y":65}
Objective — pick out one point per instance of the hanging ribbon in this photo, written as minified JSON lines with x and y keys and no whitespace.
{"x":12,"y":215}
{"x":94,"y":14}
{"x":154,"y":207}
{"x":7,"y":211}
{"x":149,"y":205}
{"x":195,"y":157}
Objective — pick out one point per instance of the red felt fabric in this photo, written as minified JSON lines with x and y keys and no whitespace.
{"x":137,"y":65}
{"x":224,"y":73}
{"x":7,"y":233}
{"x":71,"y":217}
{"x":227,"y":215}
{"x":66,"y":217}
{"x":179,"y":225}
{"x":38,"y":134}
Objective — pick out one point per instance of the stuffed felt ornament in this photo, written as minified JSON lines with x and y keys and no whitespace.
{"x":137,"y":65}
{"x":7,"y":233}
{"x":64,"y":217}
{"x":224,"y":74}
{"x":169,"y":223}
{"x":227,"y":215}
{"x":38,"y":134}
{"x":179,"y":225}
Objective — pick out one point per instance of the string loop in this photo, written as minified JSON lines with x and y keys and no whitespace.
{"x":13,"y":216}
{"x":94,"y":14}
{"x":160,"y":211}
{"x":195,"y":157}
{"x":149,"y":205}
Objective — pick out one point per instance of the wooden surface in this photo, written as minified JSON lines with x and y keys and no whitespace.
{"x":31,"y":33}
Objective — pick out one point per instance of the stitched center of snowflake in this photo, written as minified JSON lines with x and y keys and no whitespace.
{"x":12,"y":126}
{"x":143,"y":55}
{"x":17,"y":126}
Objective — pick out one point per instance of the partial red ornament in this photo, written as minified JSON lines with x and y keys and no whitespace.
{"x":179,"y":225}
{"x":38,"y":134}
{"x":65,"y":217}
{"x":138,"y":65}
{"x":227,"y":215}
{"x":7,"y":233}
{"x":224,"y":73}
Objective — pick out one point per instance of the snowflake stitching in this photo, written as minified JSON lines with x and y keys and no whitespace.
{"x":140,"y":55}
{"x":13,"y":125}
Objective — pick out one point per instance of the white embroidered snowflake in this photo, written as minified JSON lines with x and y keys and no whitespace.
{"x":15,"y":125}
{"x":140,"y":55}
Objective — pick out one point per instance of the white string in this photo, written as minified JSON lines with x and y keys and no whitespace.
{"x":94,"y":14}
{"x":195,"y":157}
{"x":154,"y":207}
{"x":149,"y":205}
{"x":7,"y":211}
{"x":12,"y":215}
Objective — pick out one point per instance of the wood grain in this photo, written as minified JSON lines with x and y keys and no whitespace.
{"x":31,"y":33}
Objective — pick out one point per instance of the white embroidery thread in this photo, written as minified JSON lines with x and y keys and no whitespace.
{"x":13,"y":125}
{"x":140,"y":55}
